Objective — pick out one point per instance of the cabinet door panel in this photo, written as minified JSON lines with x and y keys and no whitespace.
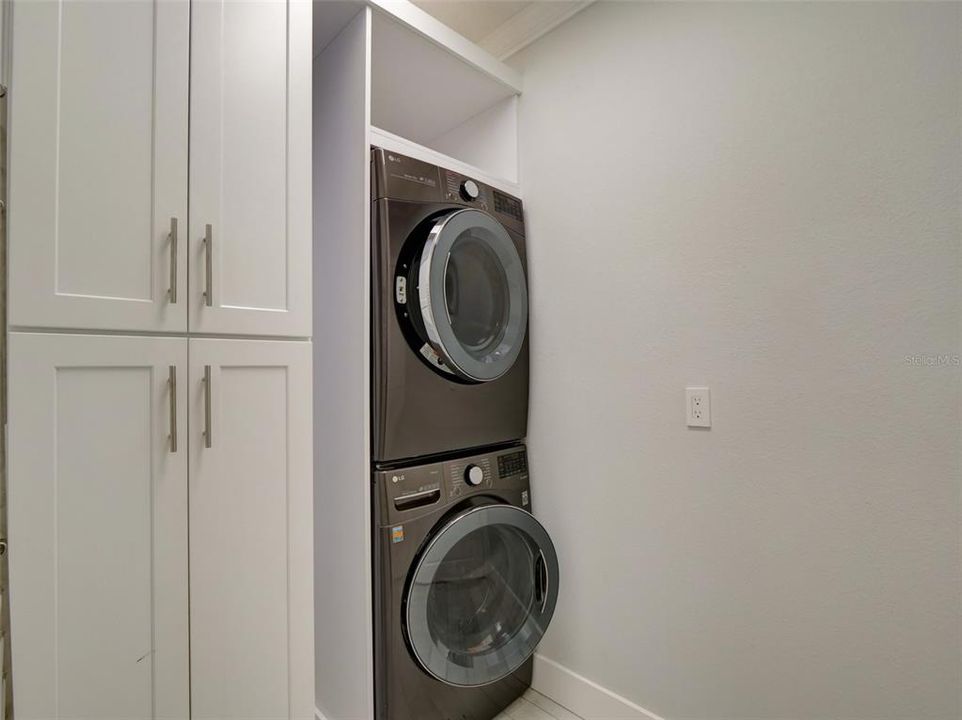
{"x":250,"y":167}
{"x":98,"y":527}
{"x":251,"y":570}
{"x":98,"y":164}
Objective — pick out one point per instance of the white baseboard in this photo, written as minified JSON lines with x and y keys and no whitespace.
{"x":582,"y":696}
{"x":577,"y":693}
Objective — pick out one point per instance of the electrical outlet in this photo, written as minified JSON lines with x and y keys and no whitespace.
{"x":698,"y":406}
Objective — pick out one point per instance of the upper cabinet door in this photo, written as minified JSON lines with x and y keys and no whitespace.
{"x":97,"y":507}
{"x":250,"y":167}
{"x":98,"y":164}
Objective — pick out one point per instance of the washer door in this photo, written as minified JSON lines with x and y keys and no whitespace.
{"x":472,"y":295}
{"x":481,"y":595}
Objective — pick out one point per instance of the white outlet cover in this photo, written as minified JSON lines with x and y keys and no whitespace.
{"x":698,"y":407}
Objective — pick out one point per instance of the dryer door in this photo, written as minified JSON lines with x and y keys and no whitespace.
{"x":481,"y":595}
{"x":472,"y":294}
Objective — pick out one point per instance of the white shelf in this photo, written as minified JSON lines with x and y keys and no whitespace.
{"x":332,"y":16}
{"x":431,"y":86}
{"x":414,"y":18}
{"x":422,"y":90}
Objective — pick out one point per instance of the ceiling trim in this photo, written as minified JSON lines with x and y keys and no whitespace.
{"x":536,"y":20}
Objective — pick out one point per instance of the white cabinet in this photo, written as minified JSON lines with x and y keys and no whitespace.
{"x":98,"y":164}
{"x":97,"y":503}
{"x":99,"y":527}
{"x":125,"y":117}
{"x":102,"y":156}
{"x":251,"y":538}
{"x":250,"y":167}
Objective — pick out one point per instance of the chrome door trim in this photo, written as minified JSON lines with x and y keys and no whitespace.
{"x":423,"y":648}
{"x":433,"y":304}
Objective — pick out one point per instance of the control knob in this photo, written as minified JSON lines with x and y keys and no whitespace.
{"x":470,"y":190}
{"x":473,"y":475}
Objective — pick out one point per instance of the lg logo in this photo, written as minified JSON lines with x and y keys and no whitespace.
{"x":397,"y":478}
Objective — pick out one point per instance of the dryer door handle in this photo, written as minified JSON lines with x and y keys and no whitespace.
{"x":541,"y":580}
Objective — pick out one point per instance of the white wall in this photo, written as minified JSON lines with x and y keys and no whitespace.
{"x":763,"y":198}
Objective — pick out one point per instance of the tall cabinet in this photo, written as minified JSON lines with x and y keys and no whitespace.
{"x":160,"y":462}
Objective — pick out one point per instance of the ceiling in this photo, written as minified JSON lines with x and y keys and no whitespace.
{"x":475,"y":19}
{"x":502,"y":27}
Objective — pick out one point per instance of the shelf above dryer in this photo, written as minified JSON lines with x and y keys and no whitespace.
{"x":431,"y":86}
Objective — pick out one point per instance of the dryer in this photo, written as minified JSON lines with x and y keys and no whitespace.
{"x":449,"y":311}
{"x":466,"y":581}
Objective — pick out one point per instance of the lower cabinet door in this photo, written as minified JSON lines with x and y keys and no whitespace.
{"x":97,"y":507}
{"x":251,"y":533}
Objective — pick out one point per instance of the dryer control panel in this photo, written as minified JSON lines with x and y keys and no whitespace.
{"x":461,"y":188}
{"x":399,"y":177}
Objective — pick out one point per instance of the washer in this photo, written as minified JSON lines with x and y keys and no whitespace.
{"x":466,"y":582}
{"x":450,"y":311}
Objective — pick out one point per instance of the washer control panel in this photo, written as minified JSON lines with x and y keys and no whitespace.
{"x":413,"y":491}
{"x":473,"y":475}
{"x":515,"y":463}
{"x":465,"y":476}
{"x":485,"y":472}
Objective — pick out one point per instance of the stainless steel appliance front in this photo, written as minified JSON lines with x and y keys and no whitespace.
{"x":450,"y":312}
{"x":466,"y":582}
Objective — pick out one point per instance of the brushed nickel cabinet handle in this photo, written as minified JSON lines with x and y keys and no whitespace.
{"x":172,"y":389}
{"x":172,"y":239}
{"x":209,"y":268}
{"x":207,"y":427}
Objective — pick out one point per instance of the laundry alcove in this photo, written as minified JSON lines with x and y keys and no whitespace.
{"x":389,"y":75}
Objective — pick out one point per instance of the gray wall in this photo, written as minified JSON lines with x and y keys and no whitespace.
{"x":763,"y":198}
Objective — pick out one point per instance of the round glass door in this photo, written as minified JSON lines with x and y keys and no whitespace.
{"x":472,"y":295}
{"x":481,"y":595}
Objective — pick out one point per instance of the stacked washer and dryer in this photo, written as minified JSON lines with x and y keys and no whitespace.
{"x":465,"y":578}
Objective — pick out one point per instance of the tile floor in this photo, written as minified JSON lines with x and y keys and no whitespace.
{"x":535,"y":706}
